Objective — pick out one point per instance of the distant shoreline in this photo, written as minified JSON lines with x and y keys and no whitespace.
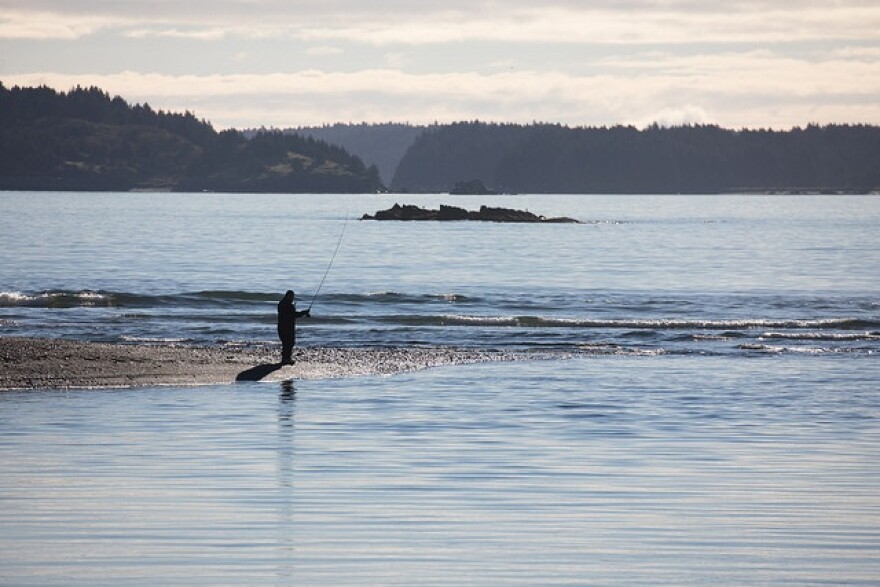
{"x":43,"y":363}
{"x":86,"y":140}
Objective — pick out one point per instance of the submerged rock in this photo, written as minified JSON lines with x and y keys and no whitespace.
{"x":445,"y":213}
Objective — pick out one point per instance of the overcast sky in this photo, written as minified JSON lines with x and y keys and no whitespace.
{"x":249,"y":63}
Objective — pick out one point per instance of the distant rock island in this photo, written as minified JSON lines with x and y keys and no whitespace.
{"x":447,"y":213}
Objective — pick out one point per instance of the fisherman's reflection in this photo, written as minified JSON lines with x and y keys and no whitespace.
{"x":286,"y":412}
{"x":286,"y":536}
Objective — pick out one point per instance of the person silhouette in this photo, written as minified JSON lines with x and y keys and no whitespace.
{"x":287,"y":315}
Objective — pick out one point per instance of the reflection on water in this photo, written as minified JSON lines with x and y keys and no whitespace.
{"x":285,"y":450}
{"x":609,"y":470}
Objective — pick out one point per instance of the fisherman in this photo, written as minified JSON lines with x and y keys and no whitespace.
{"x":287,"y":315}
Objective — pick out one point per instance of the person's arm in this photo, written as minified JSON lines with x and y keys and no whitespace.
{"x":304,"y":313}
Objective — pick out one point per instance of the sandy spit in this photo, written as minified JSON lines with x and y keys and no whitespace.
{"x":40,"y":363}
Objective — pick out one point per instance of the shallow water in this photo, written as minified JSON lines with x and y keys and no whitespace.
{"x":720,"y":428}
{"x":599,"y":471}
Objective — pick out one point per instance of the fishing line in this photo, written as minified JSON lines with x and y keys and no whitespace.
{"x":330,"y":264}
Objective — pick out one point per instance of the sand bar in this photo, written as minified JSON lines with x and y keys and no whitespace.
{"x":40,"y":363}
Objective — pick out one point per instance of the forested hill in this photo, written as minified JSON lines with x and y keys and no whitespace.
{"x":382,"y":145}
{"x":86,"y":140}
{"x":543,"y":158}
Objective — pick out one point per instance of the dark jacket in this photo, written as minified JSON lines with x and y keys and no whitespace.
{"x":287,"y":315}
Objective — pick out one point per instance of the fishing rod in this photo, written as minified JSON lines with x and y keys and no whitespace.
{"x":330,"y":264}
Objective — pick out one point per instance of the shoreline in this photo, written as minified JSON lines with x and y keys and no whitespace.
{"x":47,"y":363}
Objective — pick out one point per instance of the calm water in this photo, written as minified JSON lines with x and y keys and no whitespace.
{"x":721,"y":427}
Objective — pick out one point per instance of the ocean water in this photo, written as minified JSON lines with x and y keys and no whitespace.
{"x":719,"y":425}
{"x":657,"y":274}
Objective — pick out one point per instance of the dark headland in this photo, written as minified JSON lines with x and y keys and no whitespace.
{"x":450,"y":213}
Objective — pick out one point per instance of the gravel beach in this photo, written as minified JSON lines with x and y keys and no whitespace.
{"x":40,"y":363}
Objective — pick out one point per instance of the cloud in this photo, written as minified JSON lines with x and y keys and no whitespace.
{"x":755,"y":73}
{"x":396,"y":60}
{"x":200,"y":34}
{"x":387,"y":22}
{"x":858,"y":53}
{"x":324,"y":51}
{"x":744,"y":62}
{"x":607,"y":26}
{"x":47,"y":25}
{"x":741,"y":90}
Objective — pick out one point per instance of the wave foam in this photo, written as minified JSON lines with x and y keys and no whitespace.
{"x":155,"y":340}
{"x":656,"y":323}
{"x":799,"y":350}
{"x":829,"y":336}
{"x":56,"y":299}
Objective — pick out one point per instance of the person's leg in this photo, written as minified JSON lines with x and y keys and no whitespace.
{"x":286,"y":350}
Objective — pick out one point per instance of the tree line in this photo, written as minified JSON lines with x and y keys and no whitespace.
{"x":552,"y":158}
{"x":85,"y":139}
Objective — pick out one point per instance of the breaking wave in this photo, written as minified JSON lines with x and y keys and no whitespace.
{"x":829,"y":336}
{"x":652,"y":324}
{"x":55,"y":299}
{"x":801,"y":350}
{"x":93,"y":298}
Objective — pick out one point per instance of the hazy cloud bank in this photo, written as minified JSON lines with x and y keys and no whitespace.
{"x":243,"y":63}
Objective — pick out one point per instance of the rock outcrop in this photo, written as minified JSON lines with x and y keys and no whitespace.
{"x":446,"y":213}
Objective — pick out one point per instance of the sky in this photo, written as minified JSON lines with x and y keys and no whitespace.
{"x":286,"y":63}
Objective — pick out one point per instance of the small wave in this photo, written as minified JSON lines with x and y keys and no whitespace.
{"x":714,"y":336}
{"x":450,"y":297}
{"x":87,"y":298}
{"x":828,"y":336}
{"x":56,"y":299}
{"x":710,"y":337}
{"x":458,"y":319}
{"x":729,"y":326}
{"x":374,"y":297}
{"x":243,"y":344}
{"x":640,"y":334}
{"x":801,"y":350}
{"x":156,"y":340}
{"x":233,"y":296}
{"x":617,"y":350}
{"x":381,"y":294}
{"x":393,"y":297}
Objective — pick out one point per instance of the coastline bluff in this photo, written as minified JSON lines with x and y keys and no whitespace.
{"x":409,"y":212}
